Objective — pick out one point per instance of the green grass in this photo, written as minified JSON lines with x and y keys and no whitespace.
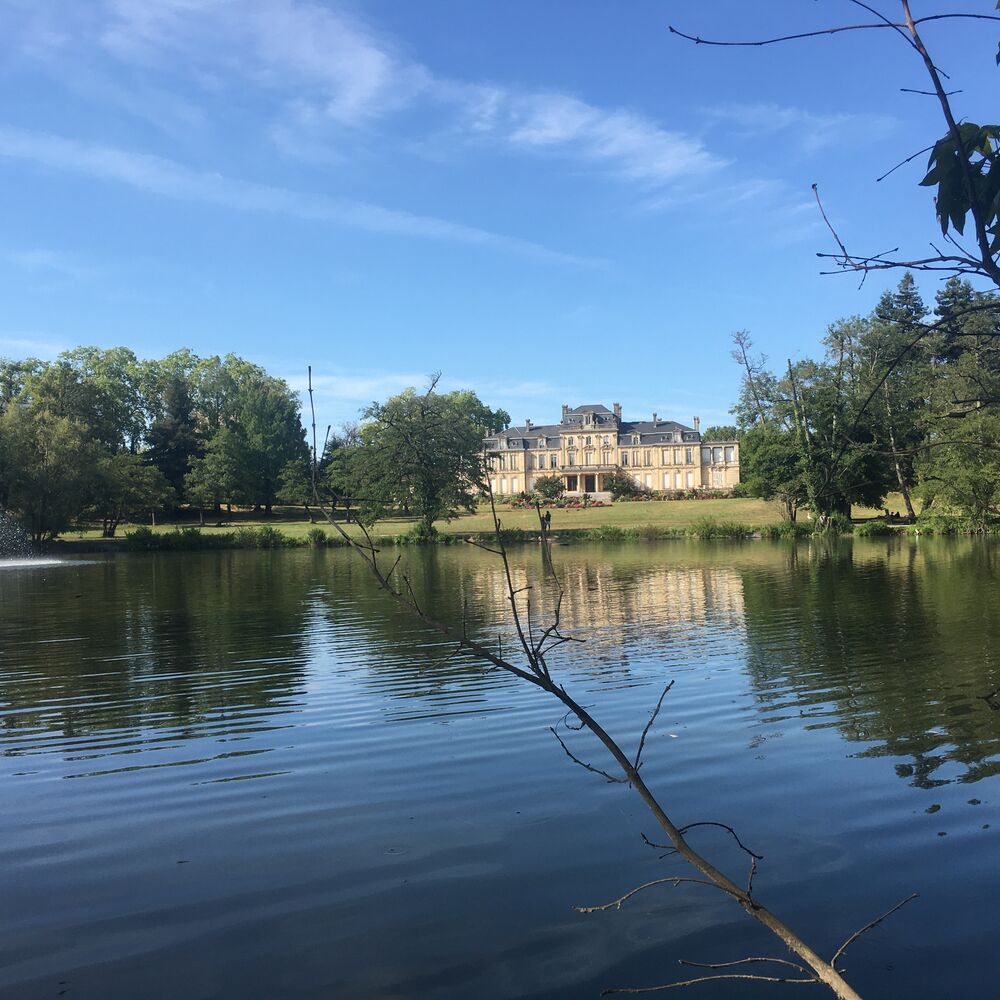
{"x":618,"y":522}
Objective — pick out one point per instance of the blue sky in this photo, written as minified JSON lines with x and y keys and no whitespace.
{"x":547,"y":201}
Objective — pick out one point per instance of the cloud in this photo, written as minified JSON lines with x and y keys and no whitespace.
{"x":633,"y":146}
{"x":20,"y":346}
{"x":813,"y":131}
{"x":324,"y":71}
{"x":167,"y":178}
{"x":290,"y":47}
{"x":49,"y":264}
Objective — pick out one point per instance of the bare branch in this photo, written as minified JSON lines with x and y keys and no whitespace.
{"x":867,"y":927}
{"x":648,"y":726}
{"x":812,"y":981}
{"x":745,"y":961}
{"x":616,"y":904}
{"x":614,"y":779}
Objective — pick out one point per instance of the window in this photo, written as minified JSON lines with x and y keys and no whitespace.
{"x":677,"y":456}
{"x":588,"y":457}
{"x":513,"y":462}
{"x":690,"y":479}
{"x":666,"y":480}
{"x":605,"y":458}
{"x":670,"y":437}
{"x":677,"y":480}
{"x":553,"y":461}
{"x":665,"y":456}
{"x":571,"y":458}
{"x":624,"y":458}
{"x":729,"y":453}
{"x":503,"y":484}
{"x":569,"y":442}
{"x":706,"y":456}
{"x":588,"y":442}
{"x":607,"y":440}
{"x":649,"y":481}
{"x":515,"y":485}
{"x":689,"y":456}
{"x":647,"y":458}
{"x":635,"y":458}
{"x":502,"y":462}
{"x":541,"y":442}
{"x":716,"y":454}
{"x":635,"y":439}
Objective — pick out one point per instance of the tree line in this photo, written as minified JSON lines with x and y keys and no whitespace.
{"x":905,"y":399}
{"x":104,"y":435}
{"x":100,"y":435}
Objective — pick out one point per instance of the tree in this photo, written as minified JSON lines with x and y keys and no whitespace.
{"x":127,"y":485}
{"x":296,"y":485}
{"x":174,"y":442}
{"x":48,"y":464}
{"x":771,"y":468}
{"x":620,"y":484}
{"x":965,"y":469}
{"x":214,"y":476}
{"x":268,"y":434}
{"x":720,"y":432}
{"x":423,"y":451}
{"x":550,"y":487}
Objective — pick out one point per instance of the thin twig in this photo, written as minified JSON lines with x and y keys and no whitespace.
{"x":648,"y":726}
{"x":867,"y":927}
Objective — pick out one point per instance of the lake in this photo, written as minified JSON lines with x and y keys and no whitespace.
{"x":247,"y":774}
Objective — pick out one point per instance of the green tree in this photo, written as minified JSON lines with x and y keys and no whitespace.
{"x":214,"y":476}
{"x":295,"y":485}
{"x":423,"y":451}
{"x":550,"y":487}
{"x":720,"y":432}
{"x":771,"y":468}
{"x":125,"y":486}
{"x":48,"y":463}
{"x":174,"y":442}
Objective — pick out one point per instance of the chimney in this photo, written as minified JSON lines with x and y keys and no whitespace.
{"x":655,"y":420}
{"x":617,"y":407}
{"x":527,"y":424}
{"x":565,"y":410}
{"x":697,"y":423}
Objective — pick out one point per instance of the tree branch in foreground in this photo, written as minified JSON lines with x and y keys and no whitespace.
{"x":535,"y":671}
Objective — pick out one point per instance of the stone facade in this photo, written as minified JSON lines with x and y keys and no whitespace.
{"x":591,"y":441}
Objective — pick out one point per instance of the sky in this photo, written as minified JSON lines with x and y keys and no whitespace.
{"x":554,"y":201}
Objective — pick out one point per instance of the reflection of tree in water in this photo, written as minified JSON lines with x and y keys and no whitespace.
{"x":891,"y":643}
{"x":178,"y":641}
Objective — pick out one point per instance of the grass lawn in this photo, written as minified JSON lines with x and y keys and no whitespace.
{"x":664,"y":513}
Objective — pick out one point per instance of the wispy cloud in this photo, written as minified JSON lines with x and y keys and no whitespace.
{"x":812,"y":131}
{"x":167,"y":178}
{"x":21,"y":346}
{"x":323,"y":70}
{"x":49,"y":264}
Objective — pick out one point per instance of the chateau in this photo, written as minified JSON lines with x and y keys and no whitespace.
{"x":591,"y":441}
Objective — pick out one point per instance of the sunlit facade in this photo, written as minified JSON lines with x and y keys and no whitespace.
{"x":590,"y":442}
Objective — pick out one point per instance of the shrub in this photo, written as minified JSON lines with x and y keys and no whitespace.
{"x":785,"y":529}
{"x":549,"y":487}
{"x":142,"y":539}
{"x":622,"y":486}
{"x":709,"y":527}
{"x":836,"y":524}
{"x":875,"y":528}
{"x":316,"y":537}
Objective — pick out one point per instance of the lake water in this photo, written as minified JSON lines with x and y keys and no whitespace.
{"x":246,"y":774}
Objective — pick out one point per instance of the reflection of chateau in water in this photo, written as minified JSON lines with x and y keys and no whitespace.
{"x":669,"y":610}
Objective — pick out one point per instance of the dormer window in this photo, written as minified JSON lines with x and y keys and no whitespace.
{"x":635,"y":439}
{"x":541,"y":442}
